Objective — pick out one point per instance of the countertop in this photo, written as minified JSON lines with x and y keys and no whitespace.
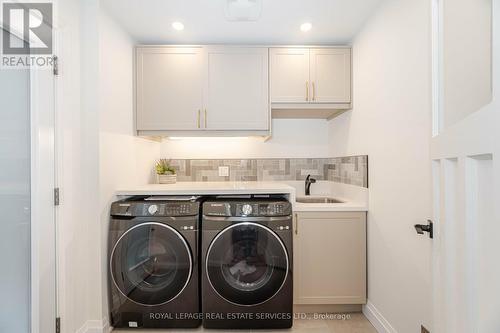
{"x":240,"y":188}
{"x":210,"y":188}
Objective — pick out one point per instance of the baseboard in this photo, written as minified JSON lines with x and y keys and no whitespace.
{"x":374,"y":316}
{"x":95,"y":326}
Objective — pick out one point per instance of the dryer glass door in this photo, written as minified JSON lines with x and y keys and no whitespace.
{"x":151,"y":263}
{"x":247,"y":264}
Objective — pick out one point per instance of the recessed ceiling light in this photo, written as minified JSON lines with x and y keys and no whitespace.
{"x":306,"y":26}
{"x":178,"y":26}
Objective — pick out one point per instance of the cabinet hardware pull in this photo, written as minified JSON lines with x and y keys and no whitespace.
{"x":199,"y":115}
{"x":296,"y":224}
{"x":314,"y":91}
{"x":205,"y":119}
{"x":307,"y":91}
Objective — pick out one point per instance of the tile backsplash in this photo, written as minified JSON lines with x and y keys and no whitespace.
{"x":348,"y":170}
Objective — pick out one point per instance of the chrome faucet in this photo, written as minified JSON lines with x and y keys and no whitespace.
{"x":309,"y":181}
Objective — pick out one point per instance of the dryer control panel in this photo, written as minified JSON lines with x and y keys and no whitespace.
{"x":247,"y":208}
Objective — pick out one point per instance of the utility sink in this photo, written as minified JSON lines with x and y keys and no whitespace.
{"x":323,"y":200}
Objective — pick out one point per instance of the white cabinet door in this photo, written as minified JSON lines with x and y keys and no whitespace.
{"x":289,"y":75}
{"x":330,"y":258}
{"x":331,"y":75}
{"x":169,"y":88}
{"x":236,"y":91}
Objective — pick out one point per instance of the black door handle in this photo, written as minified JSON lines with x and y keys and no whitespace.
{"x":421,"y":228}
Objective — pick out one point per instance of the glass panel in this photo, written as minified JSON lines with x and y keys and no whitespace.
{"x":151,"y":264}
{"x":15,"y":285}
{"x":247,"y":264}
{"x":466,"y":48}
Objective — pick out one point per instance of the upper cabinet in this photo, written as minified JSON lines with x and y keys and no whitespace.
{"x":289,"y":75}
{"x":230,"y":90}
{"x":202,"y":90}
{"x":237,"y":92}
{"x":315,"y":82}
{"x":169,"y":88}
{"x":330,"y":75}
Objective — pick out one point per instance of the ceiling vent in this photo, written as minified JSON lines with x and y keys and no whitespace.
{"x":243,"y":10}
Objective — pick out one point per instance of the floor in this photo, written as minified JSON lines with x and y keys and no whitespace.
{"x":355,"y":323}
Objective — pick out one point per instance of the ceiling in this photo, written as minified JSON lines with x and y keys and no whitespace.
{"x":150,"y":21}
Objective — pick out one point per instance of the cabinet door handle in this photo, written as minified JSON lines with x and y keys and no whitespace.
{"x":205,"y":118}
{"x":199,"y":115}
{"x":307,"y":91}
{"x":314,"y":91}
{"x":296,"y":220}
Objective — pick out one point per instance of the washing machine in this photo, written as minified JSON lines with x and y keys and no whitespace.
{"x":153,"y":263}
{"x":247,"y":263}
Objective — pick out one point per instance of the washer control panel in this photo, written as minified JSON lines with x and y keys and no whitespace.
{"x":157,"y":208}
{"x":169,"y":209}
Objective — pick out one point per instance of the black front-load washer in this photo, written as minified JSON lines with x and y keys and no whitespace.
{"x":247,"y":264}
{"x":153,"y":263}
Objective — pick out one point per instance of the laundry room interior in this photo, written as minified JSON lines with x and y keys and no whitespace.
{"x":253,"y":166}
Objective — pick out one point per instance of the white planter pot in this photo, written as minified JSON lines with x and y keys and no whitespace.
{"x":167,"y":179}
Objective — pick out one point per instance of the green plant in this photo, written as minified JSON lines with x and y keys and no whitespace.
{"x":163,"y":167}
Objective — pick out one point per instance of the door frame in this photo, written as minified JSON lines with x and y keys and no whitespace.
{"x":43,"y":232}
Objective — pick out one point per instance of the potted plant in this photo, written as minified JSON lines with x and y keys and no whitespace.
{"x":166,"y":173}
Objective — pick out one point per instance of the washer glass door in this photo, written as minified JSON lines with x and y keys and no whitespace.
{"x":247,"y":264}
{"x":151,"y":263}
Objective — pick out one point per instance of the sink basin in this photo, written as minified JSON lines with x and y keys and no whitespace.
{"x":323,"y":200}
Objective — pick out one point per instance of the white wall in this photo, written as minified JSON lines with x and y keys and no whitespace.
{"x":391,"y":123}
{"x":90,"y":150}
{"x":124,"y":159}
{"x":291,"y":138}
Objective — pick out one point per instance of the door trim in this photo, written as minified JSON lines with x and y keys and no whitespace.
{"x":43,"y":211}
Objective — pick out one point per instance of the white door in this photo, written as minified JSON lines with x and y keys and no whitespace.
{"x":331,"y":75}
{"x":27,"y":248}
{"x":465,"y":154}
{"x":236,"y":90}
{"x":289,"y":68}
{"x":169,"y":88}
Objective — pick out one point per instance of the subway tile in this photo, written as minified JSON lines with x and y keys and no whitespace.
{"x":350,"y":170}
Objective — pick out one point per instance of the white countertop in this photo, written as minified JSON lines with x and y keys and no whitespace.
{"x":239,"y":188}
{"x":210,"y":188}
